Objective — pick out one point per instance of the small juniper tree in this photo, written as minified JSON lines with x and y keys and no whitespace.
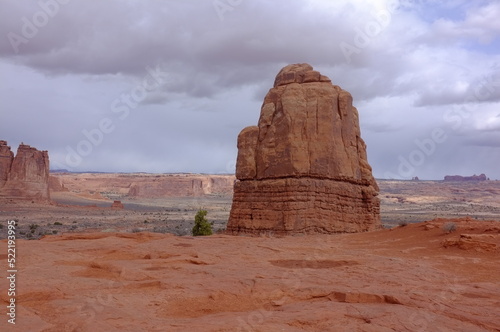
{"x":449,"y":227}
{"x":201,"y":224}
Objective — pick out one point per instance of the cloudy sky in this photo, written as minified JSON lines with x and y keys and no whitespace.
{"x":166,"y":86}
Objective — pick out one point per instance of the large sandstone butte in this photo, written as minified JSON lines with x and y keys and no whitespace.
{"x":304,"y":167}
{"x":25,"y":176}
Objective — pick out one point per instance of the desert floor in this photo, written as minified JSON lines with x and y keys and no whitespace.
{"x":410,"y":278}
{"x":92,"y":268}
{"x":402,"y":202}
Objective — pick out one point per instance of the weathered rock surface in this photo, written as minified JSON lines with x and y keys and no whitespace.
{"x":56,"y":185}
{"x":190,"y":185}
{"x":28,"y":174}
{"x":304,"y":167}
{"x":481,"y":177}
{"x":6,"y":158}
{"x":391,"y":280}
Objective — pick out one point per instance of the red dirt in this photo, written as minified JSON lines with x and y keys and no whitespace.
{"x":402,"y":279}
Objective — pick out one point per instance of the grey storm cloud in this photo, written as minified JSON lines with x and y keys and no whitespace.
{"x":77,"y":78}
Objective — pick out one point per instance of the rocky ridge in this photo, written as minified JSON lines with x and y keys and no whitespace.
{"x":142,"y":185}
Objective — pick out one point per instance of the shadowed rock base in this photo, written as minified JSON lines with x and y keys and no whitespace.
{"x":303,"y":205}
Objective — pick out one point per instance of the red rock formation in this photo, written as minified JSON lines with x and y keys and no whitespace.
{"x":28,"y":175}
{"x":117,"y":205}
{"x":6,"y":158}
{"x":459,"y":178}
{"x":304,"y":167}
{"x":56,"y":185}
{"x":190,"y":185}
{"x":142,"y":185}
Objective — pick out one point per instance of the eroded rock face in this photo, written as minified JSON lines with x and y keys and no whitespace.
{"x":28,"y":174}
{"x":6,"y":158}
{"x":304,"y":167}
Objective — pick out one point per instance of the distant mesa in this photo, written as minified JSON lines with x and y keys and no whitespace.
{"x":304,"y":168}
{"x":141,"y":186}
{"x":25,"y":175}
{"x":179,"y":185}
{"x":460,"y":178}
{"x":60,"y":170}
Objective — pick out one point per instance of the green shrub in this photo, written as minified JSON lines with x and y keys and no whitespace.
{"x":57,"y":223}
{"x":201,"y":224}
{"x":449,"y":227}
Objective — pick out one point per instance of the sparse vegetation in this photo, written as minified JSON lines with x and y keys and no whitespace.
{"x":57,"y":223}
{"x":403,"y":223}
{"x":449,"y":227}
{"x":201,"y":225}
{"x":33,"y":228}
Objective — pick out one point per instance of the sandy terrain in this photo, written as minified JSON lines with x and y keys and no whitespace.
{"x":86,"y":205}
{"x":392,"y":280}
{"x":98,"y":269}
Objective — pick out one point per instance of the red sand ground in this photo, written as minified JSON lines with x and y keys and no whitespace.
{"x":403,"y":279}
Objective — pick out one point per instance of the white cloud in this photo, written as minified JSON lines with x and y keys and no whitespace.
{"x":417,"y":69}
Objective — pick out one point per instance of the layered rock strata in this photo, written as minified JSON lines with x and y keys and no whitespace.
{"x":304,"y":167}
{"x":6,"y":158}
{"x":459,"y":178}
{"x":25,"y":176}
